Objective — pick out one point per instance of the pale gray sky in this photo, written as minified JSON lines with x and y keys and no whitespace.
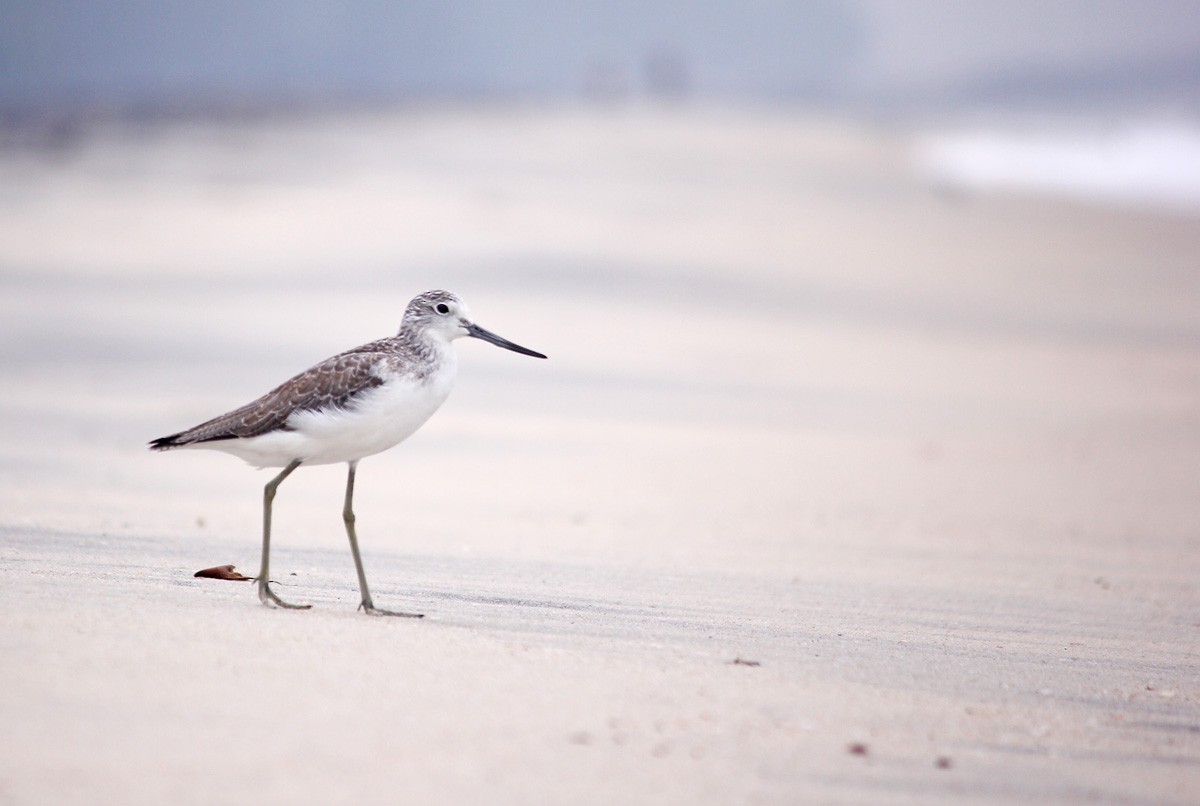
{"x":922,"y":43}
{"x":865,"y":51}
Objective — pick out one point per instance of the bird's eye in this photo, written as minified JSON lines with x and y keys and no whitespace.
{"x":442,"y":307}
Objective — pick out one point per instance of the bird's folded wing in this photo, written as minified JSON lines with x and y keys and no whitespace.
{"x":333,"y":383}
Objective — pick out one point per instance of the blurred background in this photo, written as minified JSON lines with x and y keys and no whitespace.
{"x":809,"y":273}
{"x":1107,"y":89}
{"x":864,"y":54}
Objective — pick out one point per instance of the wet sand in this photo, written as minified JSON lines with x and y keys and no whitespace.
{"x":925,"y":461}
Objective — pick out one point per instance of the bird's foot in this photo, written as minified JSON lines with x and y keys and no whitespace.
{"x":372,"y":610}
{"x":268,"y":598}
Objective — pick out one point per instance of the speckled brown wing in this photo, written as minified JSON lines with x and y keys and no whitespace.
{"x":331,"y":384}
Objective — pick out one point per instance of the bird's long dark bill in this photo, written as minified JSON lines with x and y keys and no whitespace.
{"x":487,"y":335}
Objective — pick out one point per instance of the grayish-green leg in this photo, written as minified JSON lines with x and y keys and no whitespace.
{"x":348,"y":517}
{"x":265,"y":594}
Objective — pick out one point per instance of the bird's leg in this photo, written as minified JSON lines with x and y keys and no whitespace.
{"x":265,"y":594}
{"x":348,"y":518}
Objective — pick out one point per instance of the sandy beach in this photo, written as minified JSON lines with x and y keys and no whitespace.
{"x":839,"y":485}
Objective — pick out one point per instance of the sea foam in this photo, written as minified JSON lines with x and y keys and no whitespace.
{"x":1149,"y":164}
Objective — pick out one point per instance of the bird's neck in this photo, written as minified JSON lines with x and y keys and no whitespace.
{"x":422,"y":349}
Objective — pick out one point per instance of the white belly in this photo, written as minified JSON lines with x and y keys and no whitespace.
{"x":379,"y":419}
